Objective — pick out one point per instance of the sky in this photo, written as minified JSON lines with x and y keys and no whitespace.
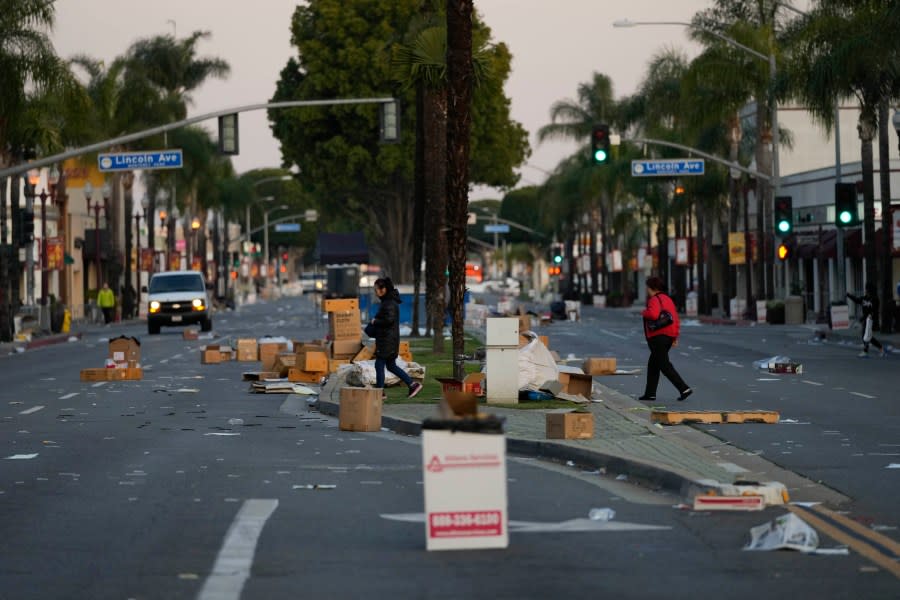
{"x":556,"y":45}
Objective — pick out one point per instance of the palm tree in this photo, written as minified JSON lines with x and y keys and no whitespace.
{"x":31,"y":76}
{"x":850,"y":51}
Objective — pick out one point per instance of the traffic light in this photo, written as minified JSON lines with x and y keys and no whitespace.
{"x":600,"y":147}
{"x":783,"y":252}
{"x":556,"y":254}
{"x":284,"y":257}
{"x":784,"y":215}
{"x":679,"y":190}
{"x":845,"y":205}
{"x":27,"y":227}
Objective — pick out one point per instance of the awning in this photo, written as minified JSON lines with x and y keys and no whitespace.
{"x":342,"y":248}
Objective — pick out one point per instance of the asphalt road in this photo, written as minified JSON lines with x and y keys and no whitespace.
{"x":145,"y":490}
{"x":840,"y":417}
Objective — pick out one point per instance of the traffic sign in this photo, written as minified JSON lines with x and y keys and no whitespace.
{"x":287,"y":227}
{"x":502,"y":228}
{"x":151,"y":159}
{"x":674,"y":167}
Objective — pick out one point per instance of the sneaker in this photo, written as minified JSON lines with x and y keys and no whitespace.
{"x":647,"y":398}
{"x":414,"y":389}
{"x":863,"y":355}
{"x":687,"y":392}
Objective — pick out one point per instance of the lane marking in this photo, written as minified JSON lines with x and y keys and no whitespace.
{"x":878,"y":548}
{"x":616,"y":335}
{"x":811,"y":382}
{"x":864,"y":395}
{"x":33,"y":409}
{"x":69,"y":395}
{"x":99,"y":384}
{"x":21,"y":456}
{"x":233,"y":563}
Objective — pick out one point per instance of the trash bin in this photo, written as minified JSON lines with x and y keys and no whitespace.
{"x":464,"y":475}
{"x":793,"y":310}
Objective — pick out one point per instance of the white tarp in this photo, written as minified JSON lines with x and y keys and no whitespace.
{"x":536,"y":364}
{"x":362,"y":373}
{"x":787,"y":532}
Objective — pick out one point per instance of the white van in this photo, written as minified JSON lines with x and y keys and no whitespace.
{"x":177,"y":298}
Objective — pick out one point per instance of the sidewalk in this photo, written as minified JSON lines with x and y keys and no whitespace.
{"x":673,"y":458}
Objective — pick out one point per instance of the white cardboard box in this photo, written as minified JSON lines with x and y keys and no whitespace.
{"x":465,"y":490}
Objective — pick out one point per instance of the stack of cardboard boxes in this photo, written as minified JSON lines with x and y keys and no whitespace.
{"x":344,"y":330}
{"x":123,"y":362}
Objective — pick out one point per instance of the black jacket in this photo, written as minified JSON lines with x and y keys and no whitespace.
{"x":387,"y":326}
{"x":869,"y":305}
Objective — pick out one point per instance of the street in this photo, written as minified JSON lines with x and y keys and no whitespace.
{"x":151,"y":489}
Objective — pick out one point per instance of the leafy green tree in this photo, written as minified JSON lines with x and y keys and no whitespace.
{"x":850,"y":50}
{"x":344,"y":51}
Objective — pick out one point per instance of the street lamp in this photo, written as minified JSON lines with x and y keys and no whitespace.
{"x":139,"y":259}
{"x":96,"y":207}
{"x":162,"y":197}
{"x":195,"y":226}
{"x":266,"y":236}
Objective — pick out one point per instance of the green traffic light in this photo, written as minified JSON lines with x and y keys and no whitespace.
{"x":784,"y":226}
{"x":600,"y":155}
{"x":845,"y":216}
{"x":557,"y":259}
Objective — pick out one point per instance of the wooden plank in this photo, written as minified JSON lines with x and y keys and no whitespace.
{"x":675,"y":417}
{"x":751,"y":416}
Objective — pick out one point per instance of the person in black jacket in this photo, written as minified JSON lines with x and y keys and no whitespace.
{"x":386,"y":325}
{"x":869,"y":304}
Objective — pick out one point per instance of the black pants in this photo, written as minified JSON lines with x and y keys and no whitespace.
{"x":108,"y":313}
{"x":659,"y":363}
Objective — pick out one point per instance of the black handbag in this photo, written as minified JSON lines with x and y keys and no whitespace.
{"x":370,"y":330}
{"x":663,"y":320}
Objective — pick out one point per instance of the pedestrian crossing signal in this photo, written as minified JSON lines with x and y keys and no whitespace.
{"x":784,"y":252}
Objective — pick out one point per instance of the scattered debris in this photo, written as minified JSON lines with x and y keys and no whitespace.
{"x":314,"y":486}
{"x":601,"y":514}
{"x":676,"y":417}
{"x":789,"y":532}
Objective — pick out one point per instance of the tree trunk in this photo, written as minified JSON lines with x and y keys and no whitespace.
{"x":435,"y":171}
{"x":5,"y":260}
{"x":459,"y":124}
{"x":418,"y":208}
{"x":867,"y":128}
{"x":884,"y":172}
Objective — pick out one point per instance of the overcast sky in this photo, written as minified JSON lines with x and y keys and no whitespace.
{"x":556,"y":45}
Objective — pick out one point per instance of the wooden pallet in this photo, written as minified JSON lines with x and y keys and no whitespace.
{"x":676,"y":417}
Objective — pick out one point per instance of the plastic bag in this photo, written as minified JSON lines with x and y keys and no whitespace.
{"x":867,"y":334}
{"x":787,"y":532}
{"x":536,"y":364}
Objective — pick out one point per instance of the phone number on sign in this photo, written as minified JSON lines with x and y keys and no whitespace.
{"x":467,"y":523}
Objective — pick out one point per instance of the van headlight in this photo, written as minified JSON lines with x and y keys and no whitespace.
{"x":154,"y":306}
{"x":197,"y":303}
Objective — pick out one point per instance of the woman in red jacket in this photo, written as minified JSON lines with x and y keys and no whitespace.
{"x":660,"y":338}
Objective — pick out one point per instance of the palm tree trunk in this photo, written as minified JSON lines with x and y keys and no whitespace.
{"x":459,"y":124}
{"x":419,"y":207}
{"x":867,"y":128}
{"x":884,"y":173}
{"x":435,"y":176}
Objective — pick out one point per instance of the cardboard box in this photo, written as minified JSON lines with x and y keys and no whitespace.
{"x":474,"y":383}
{"x":599,"y":366}
{"x":570,"y":426}
{"x":461,"y":404}
{"x":123,"y":350}
{"x":365,"y":353}
{"x":448,"y":384}
{"x":268,"y":351}
{"x":126,"y":374}
{"x":524,"y":323}
{"x":284,"y":361}
{"x":190,"y":334}
{"x":335,"y":363}
{"x":340,"y":304}
{"x":226,"y":353}
{"x":94,"y":374}
{"x":360,"y":409}
{"x":344,"y":348}
{"x":345,"y":325}
{"x":247,"y":350}
{"x":464,"y":476}
{"x":296,"y":375}
{"x":576,"y":383}
{"x":311,"y":360}
{"x":210,"y":355}
{"x":788,"y":368}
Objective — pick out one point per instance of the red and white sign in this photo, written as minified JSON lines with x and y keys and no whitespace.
{"x":840,"y":317}
{"x":729,"y":503}
{"x":681,"y":251}
{"x":465,"y":490}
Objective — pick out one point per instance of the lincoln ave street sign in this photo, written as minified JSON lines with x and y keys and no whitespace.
{"x":151,"y":159}
{"x":675,"y":167}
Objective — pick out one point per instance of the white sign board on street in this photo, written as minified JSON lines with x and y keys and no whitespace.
{"x":840,"y":317}
{"x":465,"y":490}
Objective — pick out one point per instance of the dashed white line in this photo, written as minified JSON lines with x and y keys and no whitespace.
{"x":863,"y":395}
{"x":233,"y":563}
{"x":99,"y":384}
{"x":33,"y":409}
{"x":811,"y":382}
{"x":67,"y":396}
{"x":616,"y":335}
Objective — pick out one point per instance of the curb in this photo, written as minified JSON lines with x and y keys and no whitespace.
{"x":645,"y":474}
{"x":51,"y":340}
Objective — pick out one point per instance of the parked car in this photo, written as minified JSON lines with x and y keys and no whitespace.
{"x":312,"y":282}
{"x":176,"y":298}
